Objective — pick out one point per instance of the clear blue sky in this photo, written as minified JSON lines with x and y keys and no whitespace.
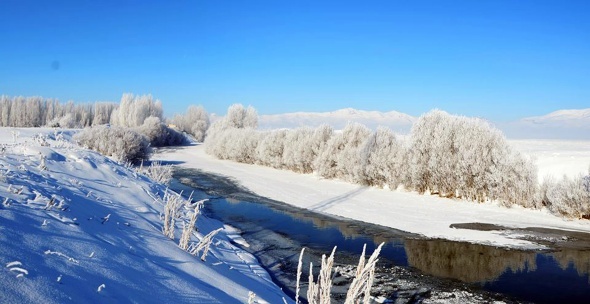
{"x":496,"y":59}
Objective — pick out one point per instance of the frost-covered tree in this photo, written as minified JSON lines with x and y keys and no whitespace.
{"x":239,"y":117}
{"x":194,"y":122}
{"x":270,"y":149}
{"x":133,"y":110}
{"x":158,"y":134}
{"x":466,"y":157}
{"x":340,"y":157}
{"x":383,"y":160}
{"x":298,"y":153}
{"x":569,"y":196}
{"x":221,"y":132}
{"x":103,"y":112}
{"x":125,"y":145}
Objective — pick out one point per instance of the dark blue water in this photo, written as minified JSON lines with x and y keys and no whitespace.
{"x":543,"y":277}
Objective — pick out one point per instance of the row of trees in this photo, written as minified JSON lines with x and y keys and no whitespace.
{"x":38,"y":112}
{"x":136,"y":123}
{"x":131,"y":112}
{"x":448,"y":155}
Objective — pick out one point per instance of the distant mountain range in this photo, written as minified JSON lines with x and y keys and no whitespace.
{"x":562,"y":124}
{"x":399,"y":122}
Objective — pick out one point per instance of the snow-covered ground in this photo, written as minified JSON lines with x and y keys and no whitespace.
{"x":430,"y":216}
{"x":79,"y":228}
{"x":557,"y":157}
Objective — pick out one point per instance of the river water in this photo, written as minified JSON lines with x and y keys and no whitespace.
{"x":411,"y":268}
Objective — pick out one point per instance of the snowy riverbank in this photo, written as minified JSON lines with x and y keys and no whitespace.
{"x":430,"y":216}
{"x":76,"y":227}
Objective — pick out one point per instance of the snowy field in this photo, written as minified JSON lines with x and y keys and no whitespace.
{"x":77,"y":227}
{"x":557,"y":157}
{"x":430,"y":216}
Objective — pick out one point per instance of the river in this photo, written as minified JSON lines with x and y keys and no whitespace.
{"x":411,"y":268}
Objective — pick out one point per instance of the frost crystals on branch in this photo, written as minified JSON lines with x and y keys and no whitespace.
{"x":359,"y":290}
{"x":319,"y":293}
{"x":173,"y":203}
{"x":203,"y":245}
{"x":187,"y":230}
{"x":363,"y":281}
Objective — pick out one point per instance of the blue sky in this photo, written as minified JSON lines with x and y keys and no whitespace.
{"x":500,"y":60}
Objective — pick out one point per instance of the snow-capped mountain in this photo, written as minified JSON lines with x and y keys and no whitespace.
{"x":399,"y":122}
{"x":562,"y":124}
{"x":574,"y":118}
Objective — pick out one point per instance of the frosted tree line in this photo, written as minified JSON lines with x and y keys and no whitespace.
{"x":38,"y":112}
{"x":131,"y":112}
{"x":125,"y":131}
{"x":446,"y":155}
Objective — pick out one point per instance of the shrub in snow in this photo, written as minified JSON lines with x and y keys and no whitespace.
{"x":340,"y":157}
{"x":269,"y":151}
{"x":465,"y":157}
{"x":194,"y":122}
{"x":134,"y":110}
{"x":234,"y":144}
{"x":303,"y":145}
{"x":569,"y":196}
{"x":241,"y":118}
{"x":160,"y":135}
{"x":383,"y":160}
{"x":225,"y":129}
{"x":157,"y":172}
{"x":123,"y":144}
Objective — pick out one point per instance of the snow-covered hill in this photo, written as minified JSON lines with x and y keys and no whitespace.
{"x":76,"y":227}
{"x":396,"y":121}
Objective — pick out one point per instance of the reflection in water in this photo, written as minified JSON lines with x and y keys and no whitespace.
{"x":580,"y":260}
{"x":469,"y":263}
{"x":533,"y":276}
{"x":473,"y":263}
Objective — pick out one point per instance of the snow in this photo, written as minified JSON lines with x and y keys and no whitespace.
{"x":427,"y":215}
{"x":557,"y":157}
{"x":561,"y":124}
{"x":399,"y":122}
{"x":85,"y":229}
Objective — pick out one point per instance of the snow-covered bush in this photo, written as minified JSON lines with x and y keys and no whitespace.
{"x":383,"y":160}
{"x":464,"y":157}
{"x":239,"y":117}
{"x":133,"y":110}
{"x":125,"y":145}
{"x":236,"y":144}
{"x":160,"y":135}
{"x":303,"y":145}
{"x":269,"y":151}
{"x":161,"y":174}
{"x":340,"y":157}
{"x":194,"y":122}
{"x":569,"y":196}
{"x":233,"y":136}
